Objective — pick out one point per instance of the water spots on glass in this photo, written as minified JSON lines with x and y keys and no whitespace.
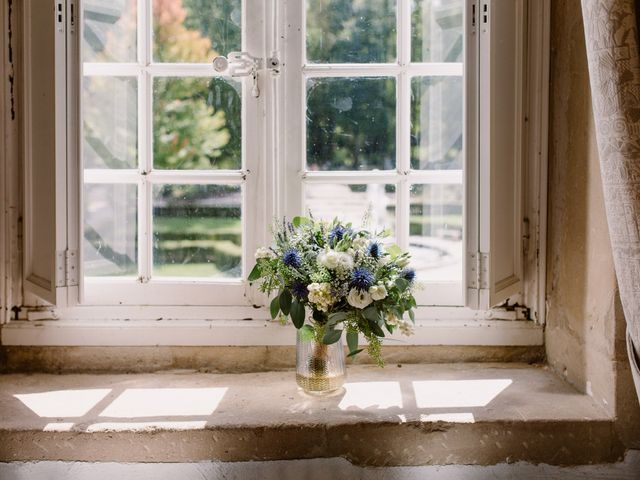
{"x":351,"y":123}
{"x":437,"y":30}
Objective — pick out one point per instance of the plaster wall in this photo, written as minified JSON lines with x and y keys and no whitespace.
{"x":585,"y":324}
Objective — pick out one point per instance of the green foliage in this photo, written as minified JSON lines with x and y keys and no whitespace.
{"x":331,"y":336}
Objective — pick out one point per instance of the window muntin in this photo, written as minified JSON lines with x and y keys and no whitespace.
{"x":164,"y":139}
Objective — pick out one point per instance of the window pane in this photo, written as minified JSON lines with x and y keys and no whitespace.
{"x":347,"y":31}
{"x":197,"y":230}
{"x":109,"y":31}
{"x":110,"y":230}
{"x":197,"y":123}
{"x":436,"y":30}
{"x":350,"y":203}
{"x":435,"y":235}
{"x":351,"y":123}
{"x":436,"y":123}
{"x":195,"y":31}
{"x":110,"y":122}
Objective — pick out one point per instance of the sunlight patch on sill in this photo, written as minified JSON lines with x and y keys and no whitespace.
{"x":458,"y":393}
{"x":63,"y":403}
{"x":158,"y":402}
{"x":145,"y":426}
{"x":378,"y":395}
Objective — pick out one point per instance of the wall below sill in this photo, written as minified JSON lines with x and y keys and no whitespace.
{"x":233,"y":359}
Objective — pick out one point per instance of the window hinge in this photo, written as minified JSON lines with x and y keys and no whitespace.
{"x":67,"y":268}
{"x":59,"y":15}
{"x":478,"y":268}
{"x":485,"y":12}
{"x":525,"y":235}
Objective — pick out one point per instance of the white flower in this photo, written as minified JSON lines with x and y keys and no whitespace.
{"x":263,"y":252}
{"x":336,"y":260}
{"x":320,"y":295}
{"x":360,"y":243}
{"x":378,"y":292}
{"x":358,"y":298}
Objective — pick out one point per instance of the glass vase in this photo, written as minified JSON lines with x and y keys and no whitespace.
{"x":320,"y":368}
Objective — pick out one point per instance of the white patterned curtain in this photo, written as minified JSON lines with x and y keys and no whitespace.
{"x":614,"y":70}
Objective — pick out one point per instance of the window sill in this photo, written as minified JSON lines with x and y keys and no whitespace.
{"x":414,"y":415}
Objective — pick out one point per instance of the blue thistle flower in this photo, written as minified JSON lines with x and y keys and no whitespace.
{"x":361,"y":279}
{"x":336,"y":234}
{"x":299,"y":290}
{"x":409,"y":274}
{"x":291,"y":258}
{"x":374,"y":250}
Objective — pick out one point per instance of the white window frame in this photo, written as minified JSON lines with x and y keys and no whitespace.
{"x":183,"y":291}
{"x":443,"y":325}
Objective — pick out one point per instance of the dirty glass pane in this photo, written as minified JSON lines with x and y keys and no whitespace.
{"x":351,"y":123}
{"x":110,"y":122}
{"x":195,"y":31}
{"x":197,"y":231}
{"x":435,"y":232}
{"x":109,"y":31}
{"x":197,"y":123}
{"x":348,"y":31}
{"x":351,"y":202}
{"x":436,"y":123}
{"x":436,"y":30}
{"x":110,"y":230}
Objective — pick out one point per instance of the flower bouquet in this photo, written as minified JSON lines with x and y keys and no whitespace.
{"x":330,"y":279}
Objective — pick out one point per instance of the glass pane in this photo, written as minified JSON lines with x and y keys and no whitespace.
{"x":436,"y":123}
{"x":197,"y":230}
{"x":347,"y":31}
{"x":435,"y":234}
{"x":110,"y":122}
{"x":350,"y":203}
{"x":110,"y":230}
{"x":195,"y":31}
{"x":109,"y":31}
{"x":351,"y":123}
{"x":436,"y":30}
{"x":197,"y":123}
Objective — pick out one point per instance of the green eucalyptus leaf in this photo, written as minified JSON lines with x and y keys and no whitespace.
{"x":336,"y":317}
{"x":285,"y":301}
{"x":331,"y":336}
{"x":352,"y":340}
{"x":375,"y":328}
{"x":355,"y":352}
{"x":274,"y":308}
{"x":297,"y":313}
{"x":371,"y":314}
{"x":402,"y":284}
{"x":256,"y":273}
{"x":412,"y":316}
{"x":297,"y":221}
{"x":307,"y":333}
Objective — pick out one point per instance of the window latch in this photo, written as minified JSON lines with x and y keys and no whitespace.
{"x":243,"y":64}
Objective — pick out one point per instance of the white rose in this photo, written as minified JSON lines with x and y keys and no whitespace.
{"x":378,"y":292}
{"x":336,"y":260}
{"x":358,"y":298}
{"x":263,"y":252}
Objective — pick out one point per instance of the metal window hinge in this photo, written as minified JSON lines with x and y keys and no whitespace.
{"x":59,"y":15}
{"x":67,"y":268}
{"x":478,"y":268}
{"x":525,"y":235}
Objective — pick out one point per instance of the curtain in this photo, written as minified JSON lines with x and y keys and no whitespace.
{"x":614,"y":71}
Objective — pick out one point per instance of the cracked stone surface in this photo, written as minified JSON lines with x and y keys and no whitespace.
{"x":399,"y":415}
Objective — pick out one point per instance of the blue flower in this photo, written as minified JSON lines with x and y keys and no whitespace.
{"x":361,"y":279}
{"x":336,"y":234}
{"x":299,"y":290}
{"x":409,"y":274}
{"x":291,"y":258}
{"x":374,"y":250}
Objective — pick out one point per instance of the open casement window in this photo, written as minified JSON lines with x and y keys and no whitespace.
{"x":407,"y":110}
{"x":419,"y":125}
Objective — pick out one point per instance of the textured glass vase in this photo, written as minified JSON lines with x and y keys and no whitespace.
{"x":320,"y":368}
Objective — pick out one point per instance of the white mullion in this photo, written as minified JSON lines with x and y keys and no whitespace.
{"x":183,"y":70}
{"x":351,"y":177}
{"x":145,"y":237}
{"x":107,"y":175}
{"x":443,"y":69}
{"x":351,"y":70}
{"x":111,"y":69}
{"x":436,"y":176}
{"x":403,"y":126}
{"x":194,"y":177}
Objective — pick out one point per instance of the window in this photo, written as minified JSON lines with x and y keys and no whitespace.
{"x":412,"y":110}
